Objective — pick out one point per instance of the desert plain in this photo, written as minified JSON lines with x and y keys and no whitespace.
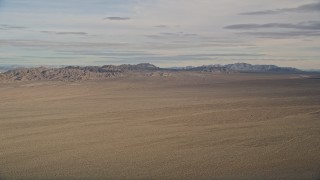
{"x":184,"y":126}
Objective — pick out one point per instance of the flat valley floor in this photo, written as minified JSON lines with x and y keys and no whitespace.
{"x":186,"y":126}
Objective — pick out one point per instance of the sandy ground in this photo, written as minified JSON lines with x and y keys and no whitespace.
{"x":185,"y":126}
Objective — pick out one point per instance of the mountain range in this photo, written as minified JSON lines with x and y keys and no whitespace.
{"x":78,"y":73}
{"x":244,"y":68}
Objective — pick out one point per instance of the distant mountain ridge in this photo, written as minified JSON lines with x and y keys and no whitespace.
{"x":78,"y":73}
{"x":245,"y":68}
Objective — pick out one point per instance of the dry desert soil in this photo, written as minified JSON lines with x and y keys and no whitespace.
{"x":186,"y":126}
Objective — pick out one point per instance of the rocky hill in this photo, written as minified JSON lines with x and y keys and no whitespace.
{"x":73,"y":73}
{"x":77,"y":73}
{"x":4,"y":68}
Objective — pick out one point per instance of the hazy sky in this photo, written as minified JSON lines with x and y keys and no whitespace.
{"x":162,"y":32}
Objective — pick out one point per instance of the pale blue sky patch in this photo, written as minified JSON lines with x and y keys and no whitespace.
{"x":164,"y":32}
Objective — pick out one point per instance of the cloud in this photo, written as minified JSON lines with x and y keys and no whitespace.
{"x":283,"y":35}
{"x":178,"y":34}
{"x":117,"y":18}
{"x":161,"y":26}
{"x":222,"y":54}
{"x":102,"y":29}
{"x":307,"y":8}
{"x":170,"y":35}
{"x":311,"y":25}
{"x":50,"y":57}
{"x":53,"y":45}
{"x":302,"y":29}
{"x":177,"y":58}
{"x":108,"y":54}
{"x":65,"y":33}
{"x":10,"y":27}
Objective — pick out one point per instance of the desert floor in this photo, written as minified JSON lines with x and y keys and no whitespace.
{"x":240,"y":126}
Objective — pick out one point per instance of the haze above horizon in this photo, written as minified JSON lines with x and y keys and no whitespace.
{"x":162,"y":32}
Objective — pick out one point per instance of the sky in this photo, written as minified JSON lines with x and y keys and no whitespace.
{"x":166,"y":33}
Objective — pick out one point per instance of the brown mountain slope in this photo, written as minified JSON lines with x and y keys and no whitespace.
{"x":73,"y":73}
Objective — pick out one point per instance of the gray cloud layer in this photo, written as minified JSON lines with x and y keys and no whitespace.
{"x":117,"y":18}
{"x":161,"y":26}
{"x":65,"y":33}
{"x":312,"y":7}
{"x":170,"y":35}
{"x":282,"y":35}
{"x":10,"y":27}
{"x":52,"y":45}
{"x":311,"y":25}
{"x":109,"y":54}
{"x":302,"y":29}
{"x":177,"y":58}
